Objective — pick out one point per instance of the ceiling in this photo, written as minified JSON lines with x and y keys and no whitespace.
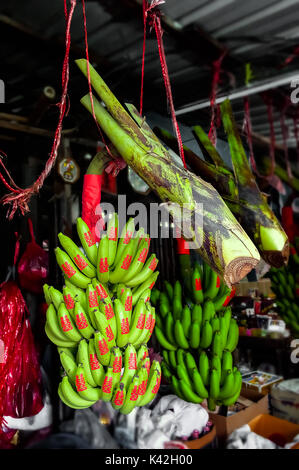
{"x":262,"y":32}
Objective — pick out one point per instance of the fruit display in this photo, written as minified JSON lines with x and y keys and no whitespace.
{"x":220,"y":240}
{"x":197,"y":334}
{"x":285,"y":284}
{"x":103,"y":318}
{"x":237,"y":187}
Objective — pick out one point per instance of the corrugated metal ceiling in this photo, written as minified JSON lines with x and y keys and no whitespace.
{"x":262,"y":32}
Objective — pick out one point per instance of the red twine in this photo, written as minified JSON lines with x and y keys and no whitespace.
{"x":290,"y":58}
{"x":285,"y":134}
{"x":215,"y":111}
{"x":154,"y":14}
{"x":296,"y":134}
{"x":21,"y":197}
{"x":268,"y":101}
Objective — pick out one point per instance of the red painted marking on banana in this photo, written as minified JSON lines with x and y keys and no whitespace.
{"x":142,"y":388}
{"x":109,"y":313}
{"x":151,"y":286}
{"x":109,"y":333}
{"x":80,"y":383}
{"x":113,"y":234}
{"x":119,"y":398}
{"x":89,"y":238}
{"x":143,"y":255}
{"x":69,"y":301}
{"x":93,"y":361}
{"x":153,"y":325}
{"x":147,"y":365}
{"x":157,"y":385}
{"x":145,"y":355}
{"x":128,"y":237}
{"x":148,"y":322}
{"x":218,"y":282}
{"x":128,"y":303}
{"x":80,"y":262}
{"x":101,"y":291}
{"x":117,"y":364}
{"x":198,"y":284}
{"x":103,"y":265}
{"x":135,"y":393}
{"x":65,"y":323}
{"x":93,"y":299}
{"x":68,"y":270}
{"x":153,"y":264}
{"x":141,"y":321}
{"x":103,"y":347}
{"x":81,"y":321}
{"x":133,"y":361}
{"x":107,"y":385}
{"x":126,"y":262}
{"x":124,"y":326}
{"x":226,"y":301}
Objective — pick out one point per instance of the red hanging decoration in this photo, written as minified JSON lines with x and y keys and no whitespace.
{"x":19,"y":198}
{"x":215,"y":110}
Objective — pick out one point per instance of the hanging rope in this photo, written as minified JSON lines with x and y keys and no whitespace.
{"x":285,"y":134}
{"x":269,"y":103}
{"x":152,"y":15}
{"x":19,"y":198}
{"x":215,"y":109}
{"x":117,"y":163}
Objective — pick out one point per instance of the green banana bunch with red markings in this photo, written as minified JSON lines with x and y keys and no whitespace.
{"x":126,"y":380}
{"x":103,"y":316}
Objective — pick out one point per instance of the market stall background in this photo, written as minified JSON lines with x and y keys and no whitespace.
{"x":196,"y":34}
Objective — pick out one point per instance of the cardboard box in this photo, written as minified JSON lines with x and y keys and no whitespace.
{"x":251,"y":406}
{"x":262,"y":287}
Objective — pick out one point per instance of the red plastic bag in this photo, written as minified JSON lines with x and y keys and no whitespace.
{"x":20,"y":377}
{"x":33,"y":266}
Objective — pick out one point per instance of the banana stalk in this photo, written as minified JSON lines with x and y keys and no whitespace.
{"x":220,"y":240}
{"x":238,"y":189}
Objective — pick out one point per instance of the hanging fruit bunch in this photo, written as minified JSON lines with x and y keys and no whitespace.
{"x":103,"y":318}
{"x":285,"y":284}
{"x":197,"y":334}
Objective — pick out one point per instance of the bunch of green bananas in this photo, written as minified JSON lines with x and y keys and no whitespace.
{"x":127,"y":380}
{"x":285,"y":284}
{"x":106,"y":297}
{"x":211,"y":377}
{"x":191,"y":325}
{"x":203,"y":324}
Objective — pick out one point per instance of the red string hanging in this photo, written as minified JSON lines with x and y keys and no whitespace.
{"x":117,"y":163}
{"x":290,"y":58}
{"x":19,"y":198}
{"x":285,"y":133}
{"x":248,"y":130}
{"x":296,"y":134}
{"x":152,"y":13}
{"x":215,"y":111}
{"x":268,"y":101}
